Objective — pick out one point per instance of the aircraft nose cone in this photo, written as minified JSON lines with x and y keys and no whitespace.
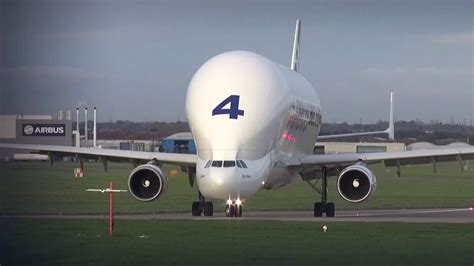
{"x":221,"y":183}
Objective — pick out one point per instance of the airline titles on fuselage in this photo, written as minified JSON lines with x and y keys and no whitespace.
{"x":304,"y":114}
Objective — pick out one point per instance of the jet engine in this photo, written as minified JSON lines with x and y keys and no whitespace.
{"x":356,"y":183}
{"x":147,"y":182}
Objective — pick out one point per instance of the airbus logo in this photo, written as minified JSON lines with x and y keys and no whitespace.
{"x":28,"y":129}
{"x":44,"y":130}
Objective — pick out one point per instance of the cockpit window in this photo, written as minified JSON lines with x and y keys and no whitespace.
{"x":229,"y":163}
{"x":239,"y":164}
{"x":216,"y":163}
{"x":208,"y":164}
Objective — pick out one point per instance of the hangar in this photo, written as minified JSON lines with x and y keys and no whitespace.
{"x":357,"y":147}
{"x":34,"y":129}
{"x":182,"y":142}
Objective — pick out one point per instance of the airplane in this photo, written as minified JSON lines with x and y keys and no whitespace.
{"x":255,"y":123}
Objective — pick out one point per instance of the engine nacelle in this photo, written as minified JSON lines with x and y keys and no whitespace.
{"x":147,"y":182}
{"x":356,"y":183}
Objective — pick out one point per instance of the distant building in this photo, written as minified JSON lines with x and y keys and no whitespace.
{"x":184,"y":143}
{"x":179,"y":143}
{"x":356,"y":147}
{"x":427,"y":146}
{"x":33,"y":129}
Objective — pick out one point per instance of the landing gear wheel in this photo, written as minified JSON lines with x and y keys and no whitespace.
{"x":330,"y":209}
{"x":208,"y":209}
{"x":318,"y":209}
{"x":238,"y":211}
{"x":323,"y":206}
{"x":229,"y":210}
{"x":196,"y":209}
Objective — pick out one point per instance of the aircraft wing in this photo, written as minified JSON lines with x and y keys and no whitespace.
{"x":397,"y":159}
{"x":108,"y":154}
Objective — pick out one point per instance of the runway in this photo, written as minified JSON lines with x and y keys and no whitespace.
{"x":464,"y":215}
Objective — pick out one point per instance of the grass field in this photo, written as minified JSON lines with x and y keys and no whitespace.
{"x":39,"y":188}
{"x":85,"y":242}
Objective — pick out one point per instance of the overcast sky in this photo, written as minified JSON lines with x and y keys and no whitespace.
{"x":134,"y":59}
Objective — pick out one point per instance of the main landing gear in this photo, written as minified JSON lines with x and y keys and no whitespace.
{"x":202,"y":206}
{"x":323,"y":206}
{"x":233,"y":209}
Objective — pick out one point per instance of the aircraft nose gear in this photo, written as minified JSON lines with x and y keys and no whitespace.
{"x":233,"y":210}
{"x":202,"y":206}
{"x":323,"y":206}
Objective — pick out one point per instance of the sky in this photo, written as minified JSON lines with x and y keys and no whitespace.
{"x":134,"y":59}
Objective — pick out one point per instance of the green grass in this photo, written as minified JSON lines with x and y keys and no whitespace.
{"x":232,"y":242}
{"x":39,"y":188}
{"x":32,"y":187}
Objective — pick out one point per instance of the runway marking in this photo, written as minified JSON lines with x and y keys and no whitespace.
{"x":401,"y":212}
{"x":459,"y":215}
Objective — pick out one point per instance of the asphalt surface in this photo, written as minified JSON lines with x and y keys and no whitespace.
{"x":465,"y":215}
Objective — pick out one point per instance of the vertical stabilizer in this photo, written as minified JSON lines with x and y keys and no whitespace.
{"x":296,"y":47}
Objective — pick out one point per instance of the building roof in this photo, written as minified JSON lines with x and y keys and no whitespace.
{"x":181,"y":136}
{"x":427,"y":145}
{"x":458,"y":145}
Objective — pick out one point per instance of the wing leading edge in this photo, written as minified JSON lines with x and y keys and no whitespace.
{"x":109,"y":154}
{"x":397,"y":159}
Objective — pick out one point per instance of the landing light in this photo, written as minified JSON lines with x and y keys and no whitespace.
{"x":229,"y":202}
{"x":238,"y":202}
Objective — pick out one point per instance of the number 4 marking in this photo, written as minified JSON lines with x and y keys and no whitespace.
{"x":233,"y":111}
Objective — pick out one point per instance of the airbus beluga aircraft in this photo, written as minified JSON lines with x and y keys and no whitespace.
{"x":255,"y":124}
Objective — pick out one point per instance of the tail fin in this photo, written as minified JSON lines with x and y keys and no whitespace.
{"x":296,"y":47}
{"x":391,"y":127}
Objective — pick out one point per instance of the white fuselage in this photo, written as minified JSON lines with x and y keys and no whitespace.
{"x":249,"y":115}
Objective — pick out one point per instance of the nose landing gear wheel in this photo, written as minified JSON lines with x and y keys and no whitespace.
{"x":238,"y":211}
{"x":233,"y":210}
{"x":229,"y":210}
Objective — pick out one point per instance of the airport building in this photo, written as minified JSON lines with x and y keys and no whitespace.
{"x":179,"y":143}
{"x":184,"y":143}
{"x":124,"y":144}
{"x":357,"y":147}
{"x":34,"y":129}
{"x":428,"y":146}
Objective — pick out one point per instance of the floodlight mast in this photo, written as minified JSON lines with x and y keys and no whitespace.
{"x":86,"y":138}
{"x":94,"y":131}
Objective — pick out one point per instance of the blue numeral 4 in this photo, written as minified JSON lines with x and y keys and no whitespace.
{"x":233,"y":111}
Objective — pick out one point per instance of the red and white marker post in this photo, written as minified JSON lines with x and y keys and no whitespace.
{"x":111,"y":192}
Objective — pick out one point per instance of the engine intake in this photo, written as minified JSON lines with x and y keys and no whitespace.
{"x":356,"y":183}
{"x":147,"y":182}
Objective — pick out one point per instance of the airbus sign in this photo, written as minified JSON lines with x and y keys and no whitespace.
{"x":48,"y":130}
